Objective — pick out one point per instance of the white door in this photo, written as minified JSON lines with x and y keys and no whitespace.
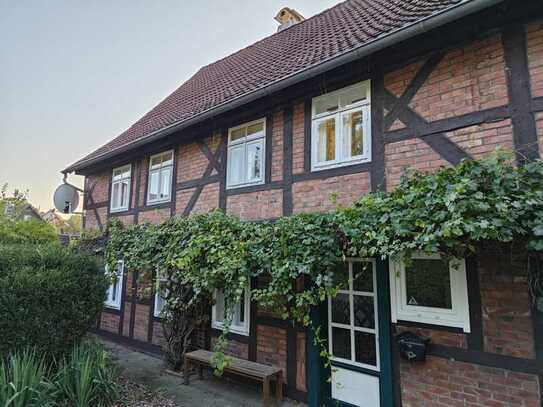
{"x":354,"y":335}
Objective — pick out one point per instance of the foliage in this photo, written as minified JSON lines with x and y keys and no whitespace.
{"x":451,"y":211}
{"x":23,"y":381}
{"x":85,"y":378}
{"x":26,"y":231}
{"x":49,"y":297}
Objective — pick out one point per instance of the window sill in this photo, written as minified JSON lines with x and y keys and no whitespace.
{"x":158,"y":202}
{"x":235,"y":331}
{"x":432,"y":322}
{"x":113,"y":307}
{"x":323,"y":167}
{"x":118,"y":210}
{"x":247,"y":184}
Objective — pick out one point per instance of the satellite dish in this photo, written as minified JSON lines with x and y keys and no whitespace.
{"x":66,"y":198}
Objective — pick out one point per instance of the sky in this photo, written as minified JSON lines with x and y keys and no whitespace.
{"x":74,"y":74}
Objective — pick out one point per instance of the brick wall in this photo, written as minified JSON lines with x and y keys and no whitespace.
{"x":448,"y":383}
{"x":298,"y":145}
{"x":271,"y":347}
{"x":277,"y":147}
{"x":256,"y":205}
{"x":534,"y":38}
{"x":109,"y":322}
{"x":234,"y":348}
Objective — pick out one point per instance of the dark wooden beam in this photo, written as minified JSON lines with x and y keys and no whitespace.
{"x":133,"y":298}
{"x":269,"y":148}
{"x":222,"y":173}
{"x":475,"y":337}
{"x":520,"y":99}
{"x":377,"y":174}
{"x":287,"y":160}
{"x":307,"y":135}
{"x":174,"y":180}
{"x":139,"y":165}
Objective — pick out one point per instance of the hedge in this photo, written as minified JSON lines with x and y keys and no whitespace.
{"x":49,"y":298}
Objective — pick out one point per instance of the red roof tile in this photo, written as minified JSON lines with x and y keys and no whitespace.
{"x":335,"y":31}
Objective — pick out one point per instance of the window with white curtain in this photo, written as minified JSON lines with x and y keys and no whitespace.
{"x":120,"y":188}
{"x":246,"y":145}
{"x":115,"y":289}
{"x":341,"y":128}
{"x":241,"y":313}
{"x":160,"y":178}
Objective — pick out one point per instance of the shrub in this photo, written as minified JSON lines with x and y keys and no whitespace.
{"x":30,"y":231}
{"x":49,"y":298}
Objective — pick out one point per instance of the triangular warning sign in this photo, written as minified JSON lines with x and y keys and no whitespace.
{"x":413,"y":301}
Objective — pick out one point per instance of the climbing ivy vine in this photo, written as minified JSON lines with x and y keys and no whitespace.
{"x":452,"y":211}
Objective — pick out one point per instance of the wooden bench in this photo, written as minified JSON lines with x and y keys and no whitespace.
{"x":245,"y":368}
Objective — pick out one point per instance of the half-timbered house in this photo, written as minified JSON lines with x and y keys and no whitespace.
{"x":341,"y":104}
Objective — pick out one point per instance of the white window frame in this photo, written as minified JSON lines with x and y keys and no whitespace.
{"x":246,"y":141}
{"x":241,"y":330}
{"x":116,"y":303}
{"x":363,"y":105}
{"x":159,"y":279}
{"x":162,"y":167}
{"x":457,"y":317}
{"x":350,"y":292}
{"x":120,"y":181}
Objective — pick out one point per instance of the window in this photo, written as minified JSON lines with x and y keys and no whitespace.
{"x":246,"y":144}
{"x":114,"y":292}
{"x":352,"y":315}
{"x":341,"y":131}
{"x":120,"y":188}
{"x":160,"y":177}
{"x":160,"y":293}
{"x":430,"y":290}
{"x":240,"y":319}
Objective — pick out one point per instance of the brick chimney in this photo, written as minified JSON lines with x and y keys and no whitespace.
{"x":288,"y":17}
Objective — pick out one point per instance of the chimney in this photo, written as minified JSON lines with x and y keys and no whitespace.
{"x":288,"y":17}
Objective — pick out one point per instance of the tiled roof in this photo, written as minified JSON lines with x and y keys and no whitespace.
{"x":333,"y":32}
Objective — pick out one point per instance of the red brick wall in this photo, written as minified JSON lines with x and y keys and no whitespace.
{"x":441,"y":382}
{"x":324,"y":195}
{"x":256,"y":205}
{"x":534,"y":38}
{"x":92,"y":216}
{"x":271,"y":347}
{"x":235,"y":348}
{"x":300,"y":361}
{"x":141,"y":322}
{"x":277,"y":147}
{"x":539,"y":126}
{"x":298,"y":145}
{"x":109,"y":322}
{"x":154,"y":215}
{"x":192,"y":162}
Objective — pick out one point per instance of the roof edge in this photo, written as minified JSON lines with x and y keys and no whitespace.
{"x":426,"y":24}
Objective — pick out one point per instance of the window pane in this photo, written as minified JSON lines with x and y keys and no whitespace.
{"x":341,"y":343}
{"x":235,"y":164}
{"x":363,"y":276}
{"x":219,"y":307}
{"x":114,"y":288}
{"x":341,"y":313}
{"x":156,"y":162}
{"x":340,"y":276}
{"x":352,"y":95}
{"x":364,"y":348}
{"x":115,"y":195}
{"x":117,"y":175}
{"x":254,"y":164}
{"x":167,"y":158}
{"x":253,"y":129}
{"x":327,"y":103}
{"x":238,"y":133}
{"x":126,"y":172}
{"x":124,"y":195}
{"x":364,"y":313}
{"x":428,"y":283}
{"x":153,"y":185}
{"x":326,"y":144}
{"x":165,"y":182}
{"x":352,"y":134}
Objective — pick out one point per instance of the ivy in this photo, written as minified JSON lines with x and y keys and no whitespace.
{"x":452,"y":211}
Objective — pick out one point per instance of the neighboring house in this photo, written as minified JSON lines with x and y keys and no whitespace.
{"x":55,"y":220}
{"x":342,"y":103}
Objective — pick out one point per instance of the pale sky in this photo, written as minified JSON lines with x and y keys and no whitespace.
{"x":75,"y":74}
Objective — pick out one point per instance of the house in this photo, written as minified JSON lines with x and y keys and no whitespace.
{"x":16,"y":209}
{"x":55,"y":220}
{"x":342,"y":103}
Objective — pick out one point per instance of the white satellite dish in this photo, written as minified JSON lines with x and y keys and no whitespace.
{"x":66,"y":198}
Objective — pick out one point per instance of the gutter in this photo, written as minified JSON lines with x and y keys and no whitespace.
{"x":429,"y":23}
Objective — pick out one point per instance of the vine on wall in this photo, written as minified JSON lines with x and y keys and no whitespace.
{"x":452,"y":211}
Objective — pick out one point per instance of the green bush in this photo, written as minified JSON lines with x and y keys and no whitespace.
{"x":29,"y":231}
{"x":84,"y":378}
{"x":49,"y":298}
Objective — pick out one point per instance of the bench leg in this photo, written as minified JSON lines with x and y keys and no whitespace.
{"x":186,"y":370}
{"x":266,"y":392}
{"x":279,"y":388}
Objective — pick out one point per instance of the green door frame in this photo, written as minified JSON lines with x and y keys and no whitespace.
{"x":318,"y":385}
